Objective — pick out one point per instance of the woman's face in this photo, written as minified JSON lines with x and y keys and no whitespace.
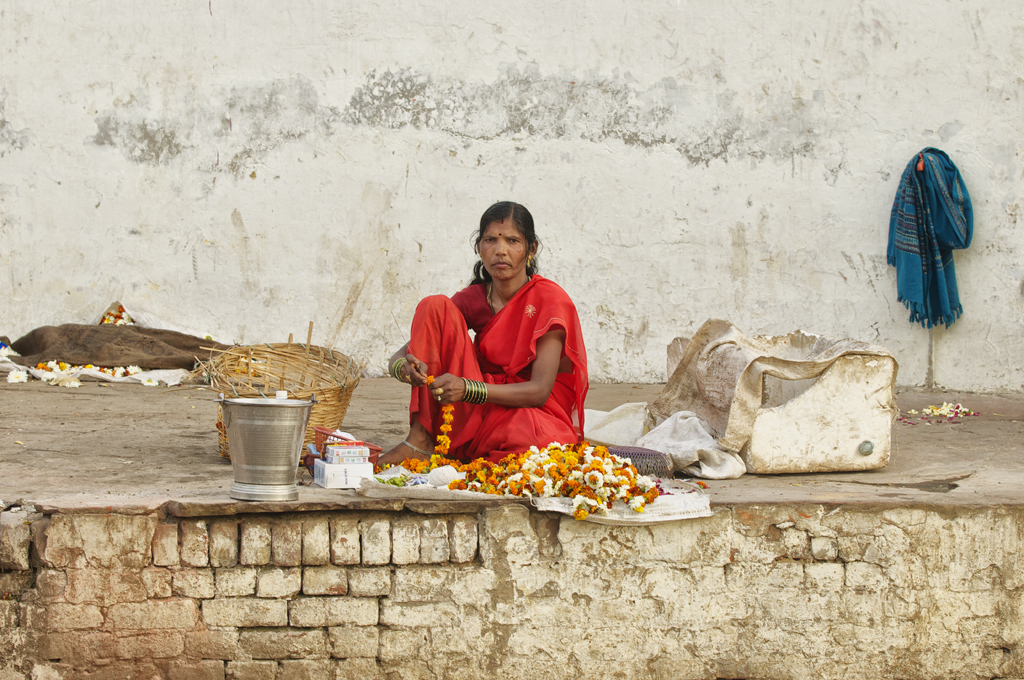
{"x":503,"y":251}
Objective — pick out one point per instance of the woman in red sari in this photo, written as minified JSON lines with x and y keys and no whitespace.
{"x":522,"y":381}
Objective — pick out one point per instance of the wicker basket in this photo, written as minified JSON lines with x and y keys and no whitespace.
{"x":251,"y":371}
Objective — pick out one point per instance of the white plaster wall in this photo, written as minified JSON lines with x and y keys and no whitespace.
{"x":243,"y":167}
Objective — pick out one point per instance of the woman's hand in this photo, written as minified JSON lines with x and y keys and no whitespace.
{"x":448,"y":388}
{"x":413,"y":371}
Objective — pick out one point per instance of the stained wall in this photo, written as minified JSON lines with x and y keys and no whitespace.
{"x":239,"y":168}
{"x":785,"y":591}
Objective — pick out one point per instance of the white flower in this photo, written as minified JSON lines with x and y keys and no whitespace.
{"x":576,"y":475}
{"x":645,"y":483}
{"x":71,"y":383}
{"x":637,"y":503}
{"x":149,"y":382}
{"x":6,"y":351}
{"x":594,"y":479}
{"x":52,"y":365}
{"x":579,"y":501}
{"x":17,"y":376}
{"x":119,"y":372}
{"x":132,"y":370}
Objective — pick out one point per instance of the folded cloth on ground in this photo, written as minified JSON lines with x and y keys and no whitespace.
{"x":721,"y":376}
{"x":111,"y":345}
{"x":688,"y":441}
{"x":621,"y":426}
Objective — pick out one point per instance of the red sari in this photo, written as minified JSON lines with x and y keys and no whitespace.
{"x":502,"y":353}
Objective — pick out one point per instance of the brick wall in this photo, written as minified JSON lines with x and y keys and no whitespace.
{"x":772,"y":592}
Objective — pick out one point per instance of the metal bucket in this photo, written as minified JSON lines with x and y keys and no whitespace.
{"x":265,"y":439}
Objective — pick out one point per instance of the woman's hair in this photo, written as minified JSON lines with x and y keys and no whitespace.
{"x":499,"y":212}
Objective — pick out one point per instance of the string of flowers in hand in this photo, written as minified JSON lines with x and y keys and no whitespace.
{"x":444,"y":441}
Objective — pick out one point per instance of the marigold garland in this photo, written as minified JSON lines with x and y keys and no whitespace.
{"x":444,"y":441}
{"x":590,"y":475}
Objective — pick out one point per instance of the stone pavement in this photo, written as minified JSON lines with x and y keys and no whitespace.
{"x":129,"y":445}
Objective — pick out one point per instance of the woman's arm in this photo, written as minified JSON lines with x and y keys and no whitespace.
{"x":532,"y":393}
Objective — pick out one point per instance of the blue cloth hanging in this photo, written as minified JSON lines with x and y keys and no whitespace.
{"x":931,"y":216}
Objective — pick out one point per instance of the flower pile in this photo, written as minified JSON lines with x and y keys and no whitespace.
{"x":591,"y":476}
{"x":60,"y":373}
{"x":949,"y":412}
{"x":61,"y":367}
{"x":118,"y":317}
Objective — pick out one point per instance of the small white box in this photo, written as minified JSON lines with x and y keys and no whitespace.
{"x":347,"y":454}
{"x":340,"y":476}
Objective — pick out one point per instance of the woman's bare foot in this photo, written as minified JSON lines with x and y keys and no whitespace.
{"x":418,"y":437}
